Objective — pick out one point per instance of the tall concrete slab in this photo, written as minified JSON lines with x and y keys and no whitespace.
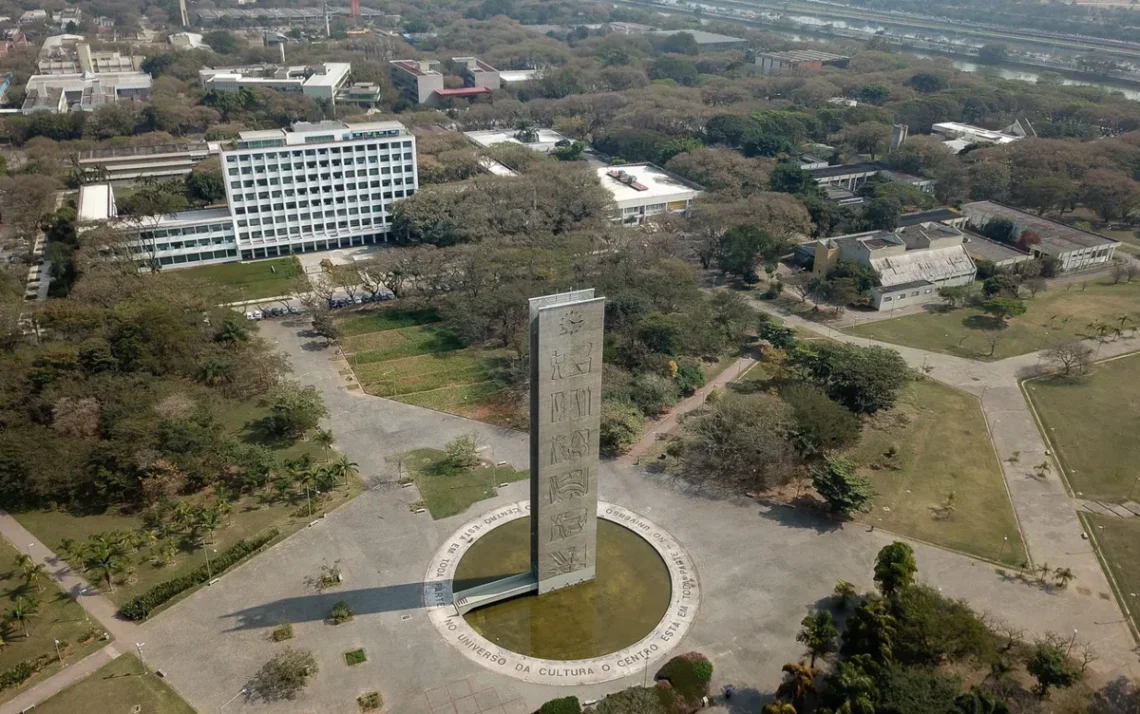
{"x":565,"y":415}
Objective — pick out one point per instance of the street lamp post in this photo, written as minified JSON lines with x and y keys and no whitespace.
{"x":139,"y":647}
{"x":228,"y":701}
{"x":58,"y":656}
{"x":1004,"y":543}
{"x":209,"y":570}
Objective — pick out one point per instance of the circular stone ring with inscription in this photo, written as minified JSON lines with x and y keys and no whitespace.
{"x":679,"y":617}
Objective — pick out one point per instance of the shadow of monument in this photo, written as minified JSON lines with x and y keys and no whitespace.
{"x":317,"y":606}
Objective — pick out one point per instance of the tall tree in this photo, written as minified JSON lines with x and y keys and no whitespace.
{"x":895,"y":568}
{"x":818,"y":634}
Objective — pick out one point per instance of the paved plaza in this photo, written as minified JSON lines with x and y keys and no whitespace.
{"x":760,"y":568}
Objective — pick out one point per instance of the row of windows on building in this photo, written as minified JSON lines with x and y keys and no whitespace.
{"x":339,"y":192}
{"x":322,"y":180}
{"x":293,"y":205}
{"x":226,"y":228}
{"x":197,"y":257}
{"x":352,"y":224}
{"x":311,"y":165}
{"x":294,"y":154}
{"x":272,"y":251}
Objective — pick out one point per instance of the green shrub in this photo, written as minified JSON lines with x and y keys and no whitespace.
{"x":621,"y":425}
{"x":643,"y":700}
{"x":369,"y":702}
{"x":562,"y":705}
{"x":282,"y":632}
{"x":690,"y":377}
{"x":139,"y":608}
{"x":689,"y":674}
{"x":17,"y":675}
{"x":355,"y":657}
{"x":341,"y":612}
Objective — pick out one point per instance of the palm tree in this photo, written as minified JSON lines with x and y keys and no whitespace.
{"x":778,"y":707}
{"x":105,"y":558}
{"x":1063,"y":575}
{"x":210,"y":519}
{"x":799,"y":682}
{"x":22,"y":561}
{"x":818,"y":633}
{"x":22,"y":610}
{"x":344,"y":468}
{"x":33,"y":575}
{"x":324,"y":437}
{"x":213,"y":373}
{"x":232,"y":333}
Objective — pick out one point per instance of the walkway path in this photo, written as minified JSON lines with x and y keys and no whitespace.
{"x":60,"y":681}
{"x":99,"y":607}
{"x":668,"y":422}
{"x":1045,"y":510}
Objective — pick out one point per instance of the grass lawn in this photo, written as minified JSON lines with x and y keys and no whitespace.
{"x":448,"y":490}
{"x":250,"y":516}
{"x":1119,"y":541}
{"x":258,"y":279}
{"x":58,"y":618}
{"x":1093,"y":424}
{"x":118,"y":686}
{"x":408,"y":356}
{"x":943,"y":448}
{"x":1059,"y":313}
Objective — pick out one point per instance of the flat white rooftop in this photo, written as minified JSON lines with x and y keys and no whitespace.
{"x":649,"y":184}
{"x":547,"y":139}
{"x":509,"y":76}
{"x":95,"y":202}
{"x":957,"y":129}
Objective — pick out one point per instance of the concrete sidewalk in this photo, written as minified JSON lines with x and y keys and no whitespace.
{"x":60,"y":681}
{"x":99,"y":607}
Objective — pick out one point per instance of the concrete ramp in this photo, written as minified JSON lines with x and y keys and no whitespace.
{"x":488,"y":593}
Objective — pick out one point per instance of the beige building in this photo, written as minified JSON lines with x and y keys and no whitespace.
{"x":476,"y":73}
{"x":1076,"y":249}
{"x":72,"y":54}
{"x":911,"y":263}
{"x":416,"y":80}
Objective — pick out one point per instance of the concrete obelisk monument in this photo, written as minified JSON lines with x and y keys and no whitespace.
{"x":565,"y":414}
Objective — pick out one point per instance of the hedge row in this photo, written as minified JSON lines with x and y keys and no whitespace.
{"x":18,"y":674}
{"x":562,"y":705}
{"x":139,"y":608}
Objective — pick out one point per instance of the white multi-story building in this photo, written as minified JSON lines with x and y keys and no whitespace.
{"x":317,"y":186}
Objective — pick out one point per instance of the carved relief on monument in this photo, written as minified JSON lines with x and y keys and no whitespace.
{"x":569,"y":485}
{"x":573,"y":362}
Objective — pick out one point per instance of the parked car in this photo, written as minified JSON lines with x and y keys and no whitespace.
{"x":254,"y":315}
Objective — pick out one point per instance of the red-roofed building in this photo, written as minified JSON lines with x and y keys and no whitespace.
{"x":421,"y":82}
{"x":416,"y":80}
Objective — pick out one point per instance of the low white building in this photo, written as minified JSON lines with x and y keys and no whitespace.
{"x":199,"y":237}
{"x":60,"y":93}
{"x":541,"y":140}
{"x":644,"y":190}
{"x":959,"y":136}
{"x":1076,"y":249}
{"x":321,"y":81}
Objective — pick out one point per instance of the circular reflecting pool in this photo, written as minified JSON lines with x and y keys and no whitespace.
{"x":621,"y":606}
